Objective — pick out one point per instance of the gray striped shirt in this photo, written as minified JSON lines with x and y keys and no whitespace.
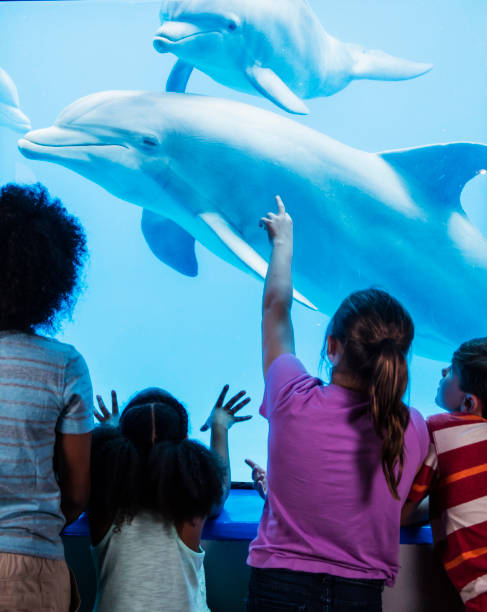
{"x":45,"y":388}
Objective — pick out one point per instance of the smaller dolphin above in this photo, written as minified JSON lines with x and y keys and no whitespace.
{"x":276,"y":48}
{"x":10,"y":113}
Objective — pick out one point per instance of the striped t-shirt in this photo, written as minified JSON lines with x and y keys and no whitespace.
{"x":45,"y":388}
{"x":455,"y":475}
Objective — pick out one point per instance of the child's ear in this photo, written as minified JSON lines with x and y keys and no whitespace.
{"x":332,"y":350}
{"x":472,"y":405}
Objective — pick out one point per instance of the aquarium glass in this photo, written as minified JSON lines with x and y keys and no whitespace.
{"x":138,"y":322}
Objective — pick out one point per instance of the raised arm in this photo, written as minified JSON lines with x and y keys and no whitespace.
{"x":221,"y":418}
{"x":277,"y":328}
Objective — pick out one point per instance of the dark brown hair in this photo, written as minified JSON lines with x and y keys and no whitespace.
{"x":376,"y":333}
{"x":470,"y":363}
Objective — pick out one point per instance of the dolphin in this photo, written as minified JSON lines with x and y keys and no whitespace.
{"x":208,"y":169}
{"x":276,"y":48}
{"x":10,"y":113}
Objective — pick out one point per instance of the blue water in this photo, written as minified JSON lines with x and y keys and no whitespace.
{"x":139,"y":323}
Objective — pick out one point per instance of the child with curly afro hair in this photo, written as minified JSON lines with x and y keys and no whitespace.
{"x":46,"y":401}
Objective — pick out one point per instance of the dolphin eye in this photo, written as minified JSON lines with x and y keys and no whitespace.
{"x":150,"y":142}
{"x":232,"y":26}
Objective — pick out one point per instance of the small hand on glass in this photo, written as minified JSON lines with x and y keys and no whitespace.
{"x":106,"y":417}
{"x":224,"y":414}
{"x":259,"y":477}
{"x":280,"y":226}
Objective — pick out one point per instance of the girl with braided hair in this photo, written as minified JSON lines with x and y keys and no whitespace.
{"x":152,"y":490}
{"x":341,"y":457}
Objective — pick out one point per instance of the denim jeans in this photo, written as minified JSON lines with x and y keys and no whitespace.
{"x":279,"y":589}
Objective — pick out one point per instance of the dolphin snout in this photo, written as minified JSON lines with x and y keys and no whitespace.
{"x":51,"y":141}
{"x":172,"y":32}
{"x":59,"y":137}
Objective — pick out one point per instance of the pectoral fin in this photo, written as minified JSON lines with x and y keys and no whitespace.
{"x":179,"y":76}
{"x":170,"y":243}
{"x":267,"y":83}
{"x":250,"y":259}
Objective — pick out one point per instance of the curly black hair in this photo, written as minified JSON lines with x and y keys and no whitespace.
{"x":42,"y":252}
{"x":148,"y":463}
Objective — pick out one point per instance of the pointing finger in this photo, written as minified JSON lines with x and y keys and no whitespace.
{"x":252,"y":464}
{"x":280,"y":205}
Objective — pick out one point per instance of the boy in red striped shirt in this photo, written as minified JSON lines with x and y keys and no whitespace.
{"x":454,"y":474}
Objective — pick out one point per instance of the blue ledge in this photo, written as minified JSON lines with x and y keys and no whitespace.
{"x":240,"y":518}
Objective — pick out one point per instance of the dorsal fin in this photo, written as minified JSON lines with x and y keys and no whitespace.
{"x":440,"y":170}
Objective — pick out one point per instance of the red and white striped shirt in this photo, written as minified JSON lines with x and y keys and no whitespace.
{"x":455,"y":475}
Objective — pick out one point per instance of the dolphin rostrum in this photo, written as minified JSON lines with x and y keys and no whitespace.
{"x":10,"y":113}
{"x":276,"y":48}
{"x":208,"y":169}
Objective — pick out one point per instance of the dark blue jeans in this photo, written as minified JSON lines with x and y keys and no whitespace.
{"x":279,"y":589}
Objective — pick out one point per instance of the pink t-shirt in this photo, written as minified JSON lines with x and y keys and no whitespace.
{"x":328,"y":507}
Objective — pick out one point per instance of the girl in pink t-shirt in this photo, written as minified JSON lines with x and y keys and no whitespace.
{"x":341,"y":457}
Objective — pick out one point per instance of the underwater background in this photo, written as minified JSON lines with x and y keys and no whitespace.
{"x":139,"y":323}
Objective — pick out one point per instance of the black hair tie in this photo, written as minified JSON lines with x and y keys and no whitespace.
{"x":385,"y":344}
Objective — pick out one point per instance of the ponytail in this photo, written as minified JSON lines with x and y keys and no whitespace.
{"x":376,"y":333}
{"x":387,"y":384}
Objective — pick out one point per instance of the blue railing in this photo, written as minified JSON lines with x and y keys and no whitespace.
{"x":240,"y":518}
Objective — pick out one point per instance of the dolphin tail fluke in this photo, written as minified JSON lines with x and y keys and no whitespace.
{"x":267,"y":83}
{"x":249,"y":260}
{"x":377,"y":65}
{"x":178,"y":78}
{"x":170,"y":243}
{"x":441,"y":170}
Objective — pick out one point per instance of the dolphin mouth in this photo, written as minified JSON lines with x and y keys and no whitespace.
{"x":168,"y":39}
{"x":55,"y":142}
{"x":27,"y":146}
{"x":172,"y":33}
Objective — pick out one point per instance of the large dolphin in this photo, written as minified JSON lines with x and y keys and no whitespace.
{"x":10,"y":113}
{"x":208,"y":169}
{"x":276,"y":48}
